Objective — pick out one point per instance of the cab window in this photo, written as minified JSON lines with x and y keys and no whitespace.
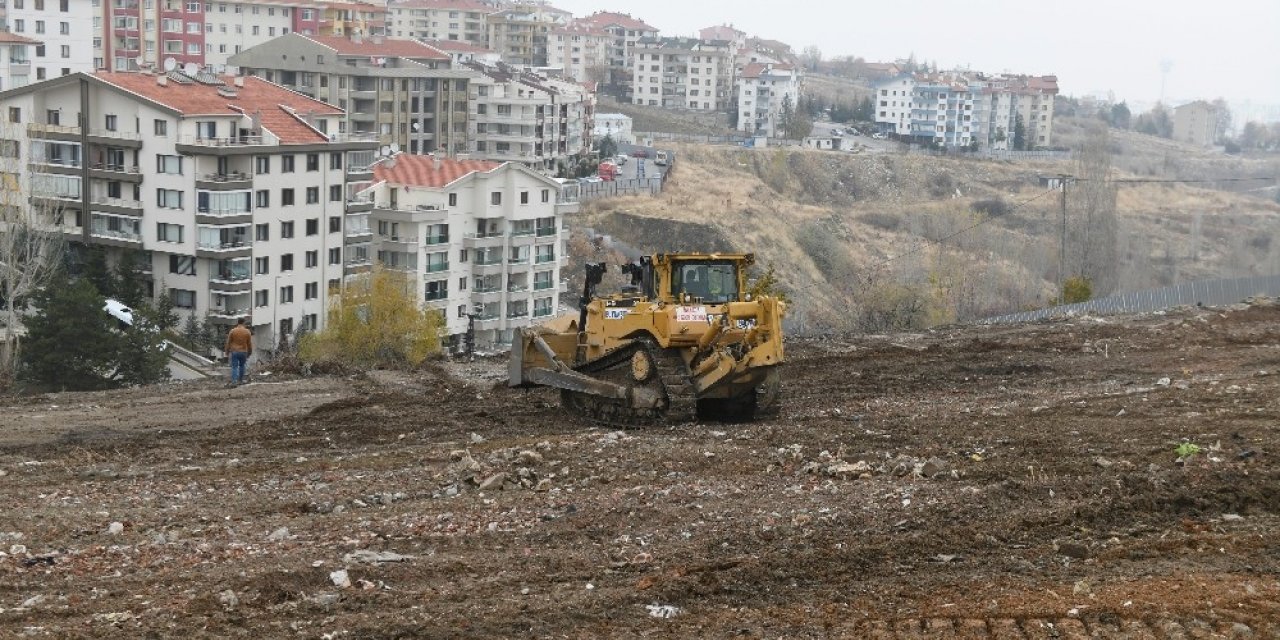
{"x":711,"y":282}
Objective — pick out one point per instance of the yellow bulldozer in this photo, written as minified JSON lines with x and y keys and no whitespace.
{"x":683,"y":339}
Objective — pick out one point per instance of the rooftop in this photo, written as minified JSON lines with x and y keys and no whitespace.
{"x":757,"y":69}
{"x":277,"y":108}
{"x":427,"y":171}
{"x":455,"y":5}
{"x":614,"y":19}
{"x":8,"y":37}
{"x":375,"y":46}
{"x":456,"y":46}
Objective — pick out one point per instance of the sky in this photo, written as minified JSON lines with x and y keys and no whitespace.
{"x":1220,"y":48}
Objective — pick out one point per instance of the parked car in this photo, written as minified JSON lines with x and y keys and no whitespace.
{"x":639,"y":153}
{"x":620,"y":160}
{"x":878,"y":136}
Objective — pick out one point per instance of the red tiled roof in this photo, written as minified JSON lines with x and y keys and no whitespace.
{"x":389,"y":47}
{"x":272,"y":103}
{"x":582,"y":27}
{"x":421,"y":171}
{"x":456,"y":5}
{"x":456,"y":46}
{"x":720,"y":32}
{"x":756,"y":69}
{"x":611,"y":18}
{"x":8,"y":37}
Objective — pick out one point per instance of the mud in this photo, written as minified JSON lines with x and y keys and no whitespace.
{"x":995,"y":482}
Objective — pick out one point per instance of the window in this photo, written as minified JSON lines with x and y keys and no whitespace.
{"x":286,"y":229}
{"x":182,"y":265}
{"x":19,"y":26}
{"x":286,"y":164}
{"x":261,"y":297}
{"x":169,"y":164}
{"x":335,"y":161}
{"x":168,"y":198}
{"x":495,"y":197}
{"x":437,"y":290}
{"x":524,"y":197}
{"x":66,"y":51}
{"x":262,"y":165}
{"x":262,"y":232}
{"x":262,"y":266}
{"x":313,"y":226}
{"x":64,"y":5}
{"x":335,"y":255}
{"x":263,"y":199}
{"x":313,"y":196}
{"x":162,"y":127}
{"x":335,"y":193}
{"x":64,"y":28}
{"x":286,"y":262}
{"x":335,"y":224}
{"x":286,"y":294}
{"x":313,"y":162}
{"x":207,"y":130}
{"x":183,"y":298}
{"x":39,"y":26}
{"x":111,"y":122}
{"x":311,"y":290}
{"x":546,"y":195}
{"x":453,"y":199}
{"x":166,"y":232}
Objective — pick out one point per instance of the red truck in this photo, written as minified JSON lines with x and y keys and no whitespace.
{"x":608,"y":171}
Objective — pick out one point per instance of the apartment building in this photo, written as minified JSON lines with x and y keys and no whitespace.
{"x":616,"y":126}
{"x":15,"y":59}
{"x":60,"y":33}
{"x":453,"y":20}
{"x":961,"y":109}
{"x":626,"y":32}
{"x":461,"y":52}
{"x":365,"y":19}
{"x":683,"y":73}
{"x":482,"y":242}
{"x":580,"y":51}
{"x":529,"y":118}
{"x":133,"y":34}
{"x":736,"y":38}
{"x":397,"y":91}
{"x":763,"y":90}
{"x":520,"y":32}
{"x":233,"y":190}
{"x":1196,"y":122}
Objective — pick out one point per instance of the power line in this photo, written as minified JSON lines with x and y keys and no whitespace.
{"x":962,"y":231}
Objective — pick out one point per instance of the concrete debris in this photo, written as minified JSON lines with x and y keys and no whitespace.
{"x":115,"y":528}
{"x":340,"y":578}
{"x":279,"y":535}
{"x":1163,"y":382}
{"x":529,"y":458}
{"x":32,"y":601}
{"x":662,"y":611}
{"x":494,"y":482}
{"x":229,"y":599}
{"x":476,"y":438}
{"x":930,"y":468}
{"x":374,"y":557}
{"x":1232,"y":517}
{"x":326,"y":599}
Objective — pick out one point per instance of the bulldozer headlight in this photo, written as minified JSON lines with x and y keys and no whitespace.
{"x":687,"y":297}
{"x":748,"y":297}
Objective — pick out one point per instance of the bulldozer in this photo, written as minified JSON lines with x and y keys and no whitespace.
{"x":682,"y":339}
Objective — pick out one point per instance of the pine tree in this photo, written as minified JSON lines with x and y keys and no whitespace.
{"x":1019,"y":135}
{"x":126,"y":280}
{"x":143,"y":352}
{"x":70,"y":343}
{"x":98,"y":272}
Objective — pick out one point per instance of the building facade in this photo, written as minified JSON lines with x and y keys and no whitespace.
{"x":683,"y":73}
{"x":529,"y":118}
{"x":16,"y":52}
{"x":396,"y":91}
{"x":234,"y":191}
{"x":60,"y":33}
{"x":482,"y":242}
{"x":454,"y":20}
{"x":955,"y":109}
{"x":764,"y":92}
{"x":626,"y":31}
{"x":616,"y":126}
{"x":1196,"y":122}
{"x":520,"y":32}
{"x":579,"y":51}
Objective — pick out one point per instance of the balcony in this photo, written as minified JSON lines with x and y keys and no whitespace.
{"x":546,"y":232}
{"x":360,"y":204}
{"x":106,"y":228}
{"x":224,"y":181}
{"x":543,"y":286}
{"x":222,"y":245}
{"x":437,"y":267}
{"x":480,"y":240}
{"x":128,"y":204}
{"x":518,"y":313}
{"x":435,"y":240}
{"x":20,"y":67}
{"x":542,"y":313}
{"x":403,"y":242}
{"x":195,"y":145}
{"x":544,"y":259}
{"x":114,"y":171}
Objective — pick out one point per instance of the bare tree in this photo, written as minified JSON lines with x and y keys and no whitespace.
{"x":1093,"y":199}
{"x":31,"y":246}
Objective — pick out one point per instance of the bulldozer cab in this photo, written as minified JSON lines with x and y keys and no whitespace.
{"x":713,"y":279}
{"x":705,"y":281}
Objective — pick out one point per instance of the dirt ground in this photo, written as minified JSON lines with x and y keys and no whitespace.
{"x":983,"y":482}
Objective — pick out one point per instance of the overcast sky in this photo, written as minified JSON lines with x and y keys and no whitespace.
{"x":1228,"y":48}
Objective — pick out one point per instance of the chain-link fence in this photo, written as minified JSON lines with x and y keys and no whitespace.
{"x":1204,"y":292}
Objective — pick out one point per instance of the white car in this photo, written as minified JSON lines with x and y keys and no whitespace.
{"x":620,"y":160}
{"x":878,"y":136}
{"x":119,"y":311}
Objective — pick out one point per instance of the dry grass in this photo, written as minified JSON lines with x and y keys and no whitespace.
{"x":839,"y":226}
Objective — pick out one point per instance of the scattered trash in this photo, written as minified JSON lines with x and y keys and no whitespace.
{"x":340,"y":578}
{"x":662,"y":611}
{"x":115,"y":528}
{"x":279,"y":535}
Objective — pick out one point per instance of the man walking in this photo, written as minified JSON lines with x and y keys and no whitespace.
{"x":239,"y":347}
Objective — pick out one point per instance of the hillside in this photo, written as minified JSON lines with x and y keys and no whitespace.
{"x":852,"y":236}
{"x":1006,"y":482}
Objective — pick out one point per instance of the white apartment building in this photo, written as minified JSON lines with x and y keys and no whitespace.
{"x":626,"y":32}
{"x":234,"y":191}
{"x":482,"y":242}
{"x":683,"y":73}
{"x":616,"y":126}
{"x":520,"y":32}
{"x":234,"y":26}
{"x":955,"y":109}
{"x":15,"y":60}
{"x":455,"y":20}
{"x":529,"y":118}
{"x":763,"y":90}
{"x":64,"y":33}
{"x":580,"y":51}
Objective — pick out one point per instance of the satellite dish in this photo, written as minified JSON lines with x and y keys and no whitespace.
{"x":384,"y":150}
{"x":190,"y":69}
{"x":170,"y":64}
{"x":416,"y":125}
{"x":395,"y":148}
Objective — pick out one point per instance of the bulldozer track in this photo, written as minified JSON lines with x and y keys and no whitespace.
{"x":1064,"y":628}
{"x":672,"y":373}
